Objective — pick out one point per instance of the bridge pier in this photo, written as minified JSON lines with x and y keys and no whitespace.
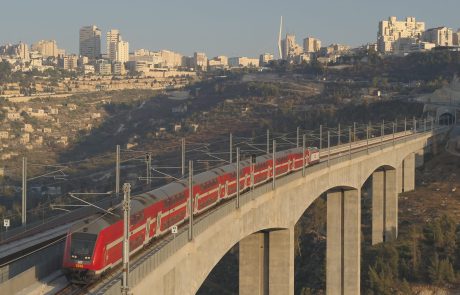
{"x":267,"y":263}
{"x":409,"y":173}
{"x":384,"y":206}
{"x":343,"y":250}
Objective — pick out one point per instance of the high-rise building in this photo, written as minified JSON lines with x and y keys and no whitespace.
{"x":90,"y":42}
{"x":265,"y":58}
{"x":392,"y":30}
{"x":113,"y":37}
{"x":456,"y":38}
{"x":46,"y":48}
{"x":200,"y":61}
{"x":117,"y":49}
{"x":441,"y":36}
{"x":311,"y":45}
{"x":289,"y":47}
{"x":68,"y":62}
{"x":22,"y":50}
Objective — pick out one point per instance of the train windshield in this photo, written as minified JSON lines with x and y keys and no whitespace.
{"x":82,"y":246}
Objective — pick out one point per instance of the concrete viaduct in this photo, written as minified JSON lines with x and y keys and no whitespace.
{"x":264,"y":223}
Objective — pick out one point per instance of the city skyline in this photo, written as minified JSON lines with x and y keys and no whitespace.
{"x":241,"y":30}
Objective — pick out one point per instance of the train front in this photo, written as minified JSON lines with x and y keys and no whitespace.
{"x":83,"y":252}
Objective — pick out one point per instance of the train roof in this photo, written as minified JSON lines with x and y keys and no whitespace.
{"x":206,"y":176}
{"x":95,"y":223}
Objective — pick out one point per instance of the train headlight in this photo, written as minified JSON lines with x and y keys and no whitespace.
{"x":74,"y":256}
{"x":87,"y":257}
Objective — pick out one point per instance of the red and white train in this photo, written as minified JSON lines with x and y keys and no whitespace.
{"x":94,"y":245}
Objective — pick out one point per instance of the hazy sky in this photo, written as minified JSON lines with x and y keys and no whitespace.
{"x":231,"y":27}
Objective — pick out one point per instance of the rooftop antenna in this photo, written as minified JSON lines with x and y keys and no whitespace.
{"x":279,"y":39}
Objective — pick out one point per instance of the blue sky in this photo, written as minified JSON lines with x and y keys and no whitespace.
{"x":233,"y":28}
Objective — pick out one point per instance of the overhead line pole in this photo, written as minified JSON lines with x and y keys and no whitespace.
{"x":126,"y":235}
{"x":183,"y":156}
{"x":268,"y":141}
{"x":274,"y":165}
{"x":303,"y":154}
{"x":320,"y":137}
{"x":117,"y":171}
{"x":237,"y":177}
{"x":298,"y":136}
{"x":231,"y":148}
{"x":24,"y":190}
{"x":190,"y":201}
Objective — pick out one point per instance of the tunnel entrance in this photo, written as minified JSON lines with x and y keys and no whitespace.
{"x":446,"y":119}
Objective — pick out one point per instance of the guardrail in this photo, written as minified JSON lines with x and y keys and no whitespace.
{"x":158,"y":255}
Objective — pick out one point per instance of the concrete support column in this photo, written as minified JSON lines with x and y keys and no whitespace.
{"x":343,"y":251}
{"x":384,"y":206}
{"x":281,"y":262}
{"x":399,"y":179}
{"x":378,"y":206}
{"x":409,"y":173}
{"x":352,"y":242}
{"x":253,"y":272}
{"x":334,"y":275}
{"x":391,"y":205}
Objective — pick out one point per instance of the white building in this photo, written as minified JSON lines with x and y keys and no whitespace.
{"x":117,"y":49}
{"x":265,"y":58}
{"x":46,"y":48}
{"x":90,"y":42}
{"x":311,"y":45}
{"x":441,"y":36}
{"x":392,"y":30}
{"x":243,"y":62}
{"x":200,"y":61}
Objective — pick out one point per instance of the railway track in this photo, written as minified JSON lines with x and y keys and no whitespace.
{"x":108,"y":280}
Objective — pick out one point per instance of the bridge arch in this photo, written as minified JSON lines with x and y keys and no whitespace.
{"x":264,"y":209}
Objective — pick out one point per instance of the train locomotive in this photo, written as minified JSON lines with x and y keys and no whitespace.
{"x":94,"y":245}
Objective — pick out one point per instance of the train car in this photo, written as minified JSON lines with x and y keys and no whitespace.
{"x":94,"y":245}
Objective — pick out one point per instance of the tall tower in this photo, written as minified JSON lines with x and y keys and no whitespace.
{"x":90,"y":42}
{"x":280,"y":51}
{"x":113,"y":37}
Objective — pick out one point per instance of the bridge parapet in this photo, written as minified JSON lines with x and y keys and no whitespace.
{"x":177,"y":266}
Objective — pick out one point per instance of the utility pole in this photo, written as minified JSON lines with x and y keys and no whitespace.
{"x":24,"y":190}
{"x":274,"y":165}
{"x":338,"y":135}
{"x":298,"y":137}
{"x":367,"y":139}
{"x":349,"y":141}
{"x":394,"y":126}
{"x":148,"y":161}
{"x":126,"y":235}
{"x":183,"y":156}
{"x":268,"y":141}
{"x":190,"y":200}
{"x":415,"y":125}
{"x":237,"y":177}
{"x":354,"y":131}
{"x":382,"y":134}
{"x":405,"y":125}
{"x":117,"y":171}
{"x":328,"y":148}
{"x":303,"y":154}
{"x":320,"y":137}
{"x":231,"y":148}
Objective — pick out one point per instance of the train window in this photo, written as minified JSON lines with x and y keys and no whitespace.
{"x":171,"y":201}
{"x":82,"y":246}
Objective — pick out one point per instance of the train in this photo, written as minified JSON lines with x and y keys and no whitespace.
{"x":94,"y":245}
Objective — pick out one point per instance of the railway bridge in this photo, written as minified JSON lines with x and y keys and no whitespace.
{"x":263,"y":223}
